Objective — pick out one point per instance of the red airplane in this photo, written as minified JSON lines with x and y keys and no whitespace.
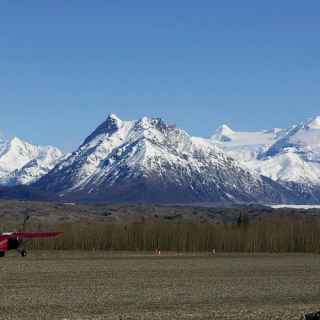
{"x":16,"y":240}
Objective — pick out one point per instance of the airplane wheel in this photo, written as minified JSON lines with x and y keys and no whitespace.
{"x":23,"y":253}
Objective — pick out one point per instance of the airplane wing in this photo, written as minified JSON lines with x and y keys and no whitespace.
{"x":31,"y":235}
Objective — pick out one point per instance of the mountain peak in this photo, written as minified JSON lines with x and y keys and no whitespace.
{"x":224,"y":129}
{"x":108,"y":127}
{"x":146,"y":123}
{"x":15,"y":141}
{"x":223,"y":134}
{"x":314,"y":123}
{"x":113,"y":118}
{"x":20,"y":146}
{"x":23,"y":163}
{"x":112,"y":123}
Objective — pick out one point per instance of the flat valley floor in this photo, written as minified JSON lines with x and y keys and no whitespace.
{"x":97,"y":285}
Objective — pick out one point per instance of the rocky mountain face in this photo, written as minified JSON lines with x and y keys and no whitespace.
{"x":150,"y":161}
{"x":24,"y":163}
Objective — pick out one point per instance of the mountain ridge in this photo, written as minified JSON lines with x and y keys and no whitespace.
{"x":150,"y":161}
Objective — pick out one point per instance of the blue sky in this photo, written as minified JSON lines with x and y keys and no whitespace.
{"x":64,"y":65}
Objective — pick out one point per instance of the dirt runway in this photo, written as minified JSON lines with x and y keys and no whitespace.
{"x":97,"y":285}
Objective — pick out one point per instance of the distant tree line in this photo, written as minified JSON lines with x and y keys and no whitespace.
{"x":276,"y":235}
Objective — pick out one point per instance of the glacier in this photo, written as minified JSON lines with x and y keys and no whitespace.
{"x":290,"y":155}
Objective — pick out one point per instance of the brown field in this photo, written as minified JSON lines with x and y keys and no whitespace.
{"x":98,"y":285}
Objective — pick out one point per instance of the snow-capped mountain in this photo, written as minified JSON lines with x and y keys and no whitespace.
{"x":245,"y":146}
{"x":24,"y":163}
{"x":150,"y":161}
{"x":291,"y":155}
{"x":295,"y":156}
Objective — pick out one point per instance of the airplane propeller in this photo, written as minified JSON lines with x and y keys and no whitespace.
{"x":22,"y":242}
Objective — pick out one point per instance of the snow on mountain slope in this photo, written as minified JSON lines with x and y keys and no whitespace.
{"x":288,"y":166}
{"x":150,"y":161}
{"x":291,"y":155}
{"x":234,"y":138}
{"x":298,"y":151}
{"x":302,"y":139}
{"x":24,"y":163}
{"x":245,"y":146}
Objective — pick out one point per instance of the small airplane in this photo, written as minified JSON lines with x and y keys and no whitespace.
{"x":16,"y":240}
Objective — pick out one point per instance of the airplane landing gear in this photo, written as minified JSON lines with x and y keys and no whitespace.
{"x":23,"y":253}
